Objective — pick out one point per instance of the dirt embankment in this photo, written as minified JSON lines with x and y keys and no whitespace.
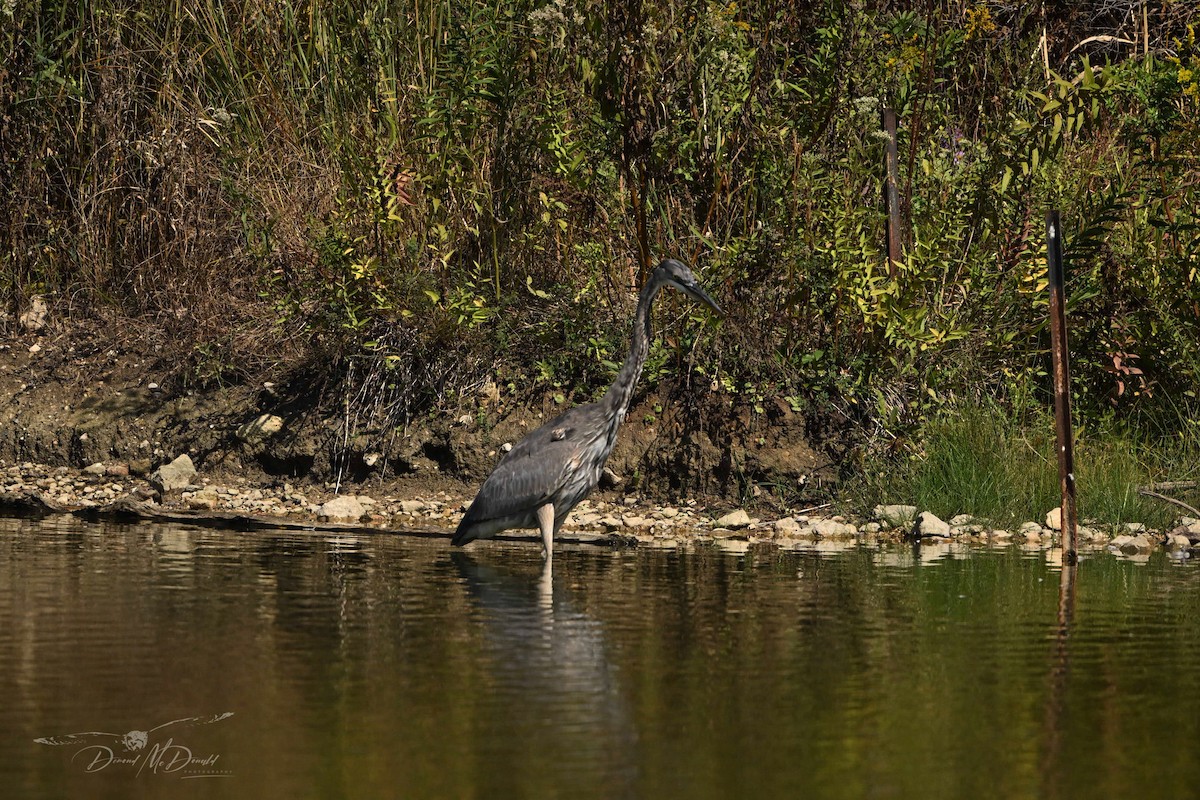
{"x":76,"y":399}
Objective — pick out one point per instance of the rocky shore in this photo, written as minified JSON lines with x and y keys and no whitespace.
{"x":175,"y":491}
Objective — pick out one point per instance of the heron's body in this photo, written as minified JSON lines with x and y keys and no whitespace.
{"x":547,"y":473}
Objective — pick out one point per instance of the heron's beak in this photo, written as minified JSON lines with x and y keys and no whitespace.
{"x":695,"y":291}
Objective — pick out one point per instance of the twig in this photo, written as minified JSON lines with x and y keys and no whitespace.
{"x":1171,"y":485}
{"x":1166,"y":499}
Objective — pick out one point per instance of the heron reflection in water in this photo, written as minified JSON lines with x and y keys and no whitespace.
{"x":551,"y":706}
{"x":539,"y":481}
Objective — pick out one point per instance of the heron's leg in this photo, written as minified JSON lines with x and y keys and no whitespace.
{"x":545,"y":516}
{"x":546,"y":586}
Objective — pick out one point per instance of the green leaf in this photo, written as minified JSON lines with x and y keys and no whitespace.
{"x":533,"y":291}
{"x":1006,"y":180}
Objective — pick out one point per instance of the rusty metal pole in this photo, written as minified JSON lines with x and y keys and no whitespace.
{"x":1062,"y":387}
{"x":891,"y":192}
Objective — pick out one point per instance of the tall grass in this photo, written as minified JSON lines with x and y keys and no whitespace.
{"x":996,"y":466}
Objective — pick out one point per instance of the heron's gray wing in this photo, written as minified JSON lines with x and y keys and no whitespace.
{"x":536,"y":468}
{"x":528,"y":475}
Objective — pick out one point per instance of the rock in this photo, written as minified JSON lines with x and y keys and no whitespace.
{"x":833,"y":529}
{"x":961,"y":520}
{"x":94,"y":469}
{"x":1135,"y":527}
{"x":871,"y":527}
{"x":260,"y":428}
{"x":412,"y":506}
{"x":928,"y":524}
{"x":489,"y":393}
{"x":1179,"y":542}
{"x":173,"y":476}
{"x":117,"y":470}
{"x":634,"y":521}
{"x":1141,"y":542}
{"x":896,"y":516}
{"x":609,"y":479}
{"x":734,"y":519}
{"x":1131,"y":544}
{"x":205,"y":499}
{"x":34,"y":318}
{"x":787,"y":526}
{"x":1054,"y":519}
{"x":343,"y":507}
{"x":1028,"y":528}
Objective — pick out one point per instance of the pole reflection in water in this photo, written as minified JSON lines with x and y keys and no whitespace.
{"x":1053,"y":771}
{"x":552,"y":696}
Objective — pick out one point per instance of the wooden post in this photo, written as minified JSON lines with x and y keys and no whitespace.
{"x":891,"y":194}
{"x":1062,"y":386}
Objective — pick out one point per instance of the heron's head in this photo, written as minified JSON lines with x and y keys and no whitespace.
{"x":675,"y":273}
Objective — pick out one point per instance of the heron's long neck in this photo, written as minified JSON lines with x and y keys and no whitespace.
{"x":620,"y":394}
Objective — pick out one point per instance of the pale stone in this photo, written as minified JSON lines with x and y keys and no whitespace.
{"x":895,"y":515}
{"x":833,"y":529}
{"x":174,"y":475}
{"x":734,"y":519}
{"x":205,"y":499}
{"x":33,"y":319}
{"x":1054,"y":519}
{"x":787,"y":526}
{"x":343,"y":507}
{"x":928,"y":524}
{"x":260,"y":428}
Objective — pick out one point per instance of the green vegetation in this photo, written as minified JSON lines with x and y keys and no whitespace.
{"x":1002,"y":468}
{"x":416,"y":198}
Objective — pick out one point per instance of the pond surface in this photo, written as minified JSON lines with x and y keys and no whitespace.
{"x":156,"y":661}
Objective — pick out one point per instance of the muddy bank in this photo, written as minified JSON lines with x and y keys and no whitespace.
{"x":82,"y":398}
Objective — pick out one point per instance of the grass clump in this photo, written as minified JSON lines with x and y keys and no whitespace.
{"x":1001,"y":467}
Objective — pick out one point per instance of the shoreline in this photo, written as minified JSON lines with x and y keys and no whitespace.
{"x":110,"y":491}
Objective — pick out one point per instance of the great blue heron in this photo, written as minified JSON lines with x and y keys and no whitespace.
{"x":546,"y":474}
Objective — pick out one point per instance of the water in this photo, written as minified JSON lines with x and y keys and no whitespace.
{"x":389,"y":666}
